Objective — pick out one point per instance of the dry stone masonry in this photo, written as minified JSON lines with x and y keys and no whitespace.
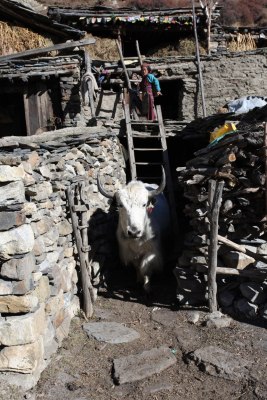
{"x":38,"y":274}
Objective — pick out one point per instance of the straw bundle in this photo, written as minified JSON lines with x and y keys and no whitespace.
{"x":242,"y":42}
{"x":14,"y":39}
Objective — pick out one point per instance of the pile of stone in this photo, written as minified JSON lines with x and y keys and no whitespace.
{"x":38,"y":254}
{"x":237,"y":159}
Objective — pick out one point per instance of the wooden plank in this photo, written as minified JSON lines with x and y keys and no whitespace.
{"x":215,"y":199}
{"x":253,"y":273}
{"x":242,"y":249}
{"x":123,"y":65}
{"x":138,"y":52}
{"x":265,"y":144}
{"x":43,"y":50}
{"x":85,"y":279}
{"x":166,"y":164}
{"x":130,"y":141}
{"x":198,"y":61}
{"x":89,"y":83}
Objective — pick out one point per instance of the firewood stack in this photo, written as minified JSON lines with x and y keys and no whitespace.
{"x":238,"y":159}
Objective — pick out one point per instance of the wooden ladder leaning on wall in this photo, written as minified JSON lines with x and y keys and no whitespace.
{"x":148,"y":139}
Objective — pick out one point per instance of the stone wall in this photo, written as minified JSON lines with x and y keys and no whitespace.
{"x":225,"y":77}
{"x":38,"y":255}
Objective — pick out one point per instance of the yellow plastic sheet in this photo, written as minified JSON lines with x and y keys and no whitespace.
{"x":222,"y":130}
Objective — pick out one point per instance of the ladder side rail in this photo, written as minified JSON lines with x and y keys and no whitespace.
{"x":167,"y":171}
{"x":130,"y":141}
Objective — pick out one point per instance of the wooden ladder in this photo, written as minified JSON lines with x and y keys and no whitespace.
{"x":150,"y":144}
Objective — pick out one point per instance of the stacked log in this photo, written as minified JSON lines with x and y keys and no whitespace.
{"x":238,"y":159}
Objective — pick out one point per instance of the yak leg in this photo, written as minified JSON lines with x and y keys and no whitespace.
{"x":147,"y":268}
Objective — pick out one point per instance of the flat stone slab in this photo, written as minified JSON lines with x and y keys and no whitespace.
{"x":140,"y":366}
{"x":110,"y":332}
{"x":218,"y":362}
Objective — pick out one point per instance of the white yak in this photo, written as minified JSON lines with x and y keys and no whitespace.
{"x":143,"y":225}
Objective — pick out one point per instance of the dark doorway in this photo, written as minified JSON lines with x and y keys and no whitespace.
{"x":12,"y":118}
{"x":171,"y":99}
{"x":30,"y":108}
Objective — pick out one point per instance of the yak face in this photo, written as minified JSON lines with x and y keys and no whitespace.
{"x":133,"y":203}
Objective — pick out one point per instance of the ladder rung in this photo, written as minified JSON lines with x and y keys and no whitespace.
{"x":139,"y":122}
{"x":154,"y":178}
{"x":148,"y":163}
{"x":142,"y":149}
{"x":146,"y":136}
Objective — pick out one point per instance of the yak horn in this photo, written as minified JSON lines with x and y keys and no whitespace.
{"x":155,"y":192}
{"x":102,"y":190}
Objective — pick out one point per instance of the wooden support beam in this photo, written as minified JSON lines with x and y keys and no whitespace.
{"x":265,"y":145}
{"x":138,"y":52}
{"x":43,"y":50}
{"x":198,"y":61}
{"x":85,"y":278}
{"x":215,"y":199}
{"x":123,"y":65}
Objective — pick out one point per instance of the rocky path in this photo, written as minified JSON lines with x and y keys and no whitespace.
{"x":136,"y":351}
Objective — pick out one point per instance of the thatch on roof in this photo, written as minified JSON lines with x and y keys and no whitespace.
{"x":14,"y":39}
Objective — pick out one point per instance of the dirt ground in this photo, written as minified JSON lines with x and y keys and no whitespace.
{"x":83,"y":368}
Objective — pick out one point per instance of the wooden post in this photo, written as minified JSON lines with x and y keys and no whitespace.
{"x":123,"y":65}
{"x":90,"y":86}
{"x":138,"y":52}
{"x":85,"y":279}
{"x":215,"y":199}
{"x":198,"y":61}
{"x":265,"y":144}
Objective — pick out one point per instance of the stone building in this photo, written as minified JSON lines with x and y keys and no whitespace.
{"x":78,"y":99}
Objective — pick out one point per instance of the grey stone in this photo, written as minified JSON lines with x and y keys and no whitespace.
{"x":12,"y":193}
{"x":41,"y":191}
{"x":16,"y":242}
{"x":189,"y":338}
{"x":6,"y":287}
{"x":110,"y":332}
{"x":23,"y":359}
{"x":143,"y":365}
{"x":193,"y":317}
{"x":22,"y":329}
{"x":18,"y":304}
{"x":18,"y":268}
{"x":9,"y":220}
{"x":218,"y":320}
{"x":167,"y":318}
{"x":218,"y":362}
{"x":10,"y":174}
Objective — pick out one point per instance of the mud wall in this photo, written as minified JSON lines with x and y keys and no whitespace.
{"x":39,"y":266}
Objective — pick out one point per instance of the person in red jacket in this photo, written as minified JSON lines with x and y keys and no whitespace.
{"x":149,"y":88}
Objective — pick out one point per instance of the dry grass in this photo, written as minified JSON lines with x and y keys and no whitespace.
{"x":14,"y":39}
{"x":185,"y":47}
{"x":242,"y":42}
{"x":103,"y":49}
{"x":106,"y":49}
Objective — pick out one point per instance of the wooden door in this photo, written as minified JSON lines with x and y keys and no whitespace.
{"x":38,"y":108}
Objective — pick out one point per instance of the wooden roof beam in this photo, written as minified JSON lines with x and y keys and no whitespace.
{"x":43,"y":50}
